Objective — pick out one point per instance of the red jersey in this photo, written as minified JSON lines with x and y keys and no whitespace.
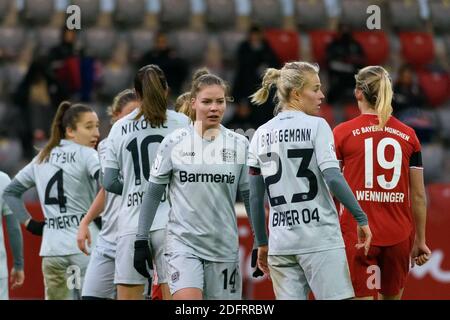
{"x":376,"y":165}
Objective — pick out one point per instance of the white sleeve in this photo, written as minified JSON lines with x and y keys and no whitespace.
{"x":324,"y":147}
{"x":253,"y":159}
{"x":161,"y":171}
{"x":92,"y":161}
{"x":243,"y":179}
{"x":111,"y":157}
{"x":26,"y":175}
{"x":4,"y":181}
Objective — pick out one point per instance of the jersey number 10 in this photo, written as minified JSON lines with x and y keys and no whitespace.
{"x":395,"y":163}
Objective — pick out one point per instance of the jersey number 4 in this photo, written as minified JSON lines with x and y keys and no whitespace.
{"x":303,"y":172}
{"x":60,"y":198}
{"x":395,"y":163}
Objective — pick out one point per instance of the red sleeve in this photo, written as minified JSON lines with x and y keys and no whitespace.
{"x":337,"y":143}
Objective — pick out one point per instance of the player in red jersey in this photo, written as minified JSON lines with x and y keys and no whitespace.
{"x":382,"y":163}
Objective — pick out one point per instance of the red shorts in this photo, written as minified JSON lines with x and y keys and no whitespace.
{"x":383,"y":270}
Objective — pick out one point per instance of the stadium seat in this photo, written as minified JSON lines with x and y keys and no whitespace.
{"x":375,"y":45}
{"x":38,"y":12}
{"x":285,"y":43}
{"x":354,"y":13}
{"x":351,"y":111}
{"x":230,"y":41}
{"x":141,"y":41}
{"x":129,"y":13}
{"x":438,"y":199}
{"x":311,"y":14}
{"x":14,"y":74}
{"x":220,"y":14}
{"x":435,"y":85}
{"x":405,"y":14}
{"x":326,"y":112}
{"x":443,"y":116}
{"x":90,"y":11}
{"x":99,"y":42}
{"x":170,"y":18}
{"x":47,"y":38}
{"x":440,"y":15}
{"x":319,"y":40}
{"x":115,"y":79}
{"x":190,"y":45}
{"x":11,"y":41}
{"x":267,"y":13}
{"x":4,"y":8}
{"x":417,"y":48}
{"x":433,"y":161}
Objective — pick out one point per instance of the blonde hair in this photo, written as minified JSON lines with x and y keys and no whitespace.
{"x":376,"y":86}
{"x":66,"y":116}
{"x":120,"y":101}
{"x":151,"y":85}
{"x":293,"y":75}
{"x":201,"y":78}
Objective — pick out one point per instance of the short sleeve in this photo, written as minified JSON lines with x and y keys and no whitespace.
{"x":26,"y":175}
{"x":324,"y":147}
{"x":161,"y":171}
{"x":92,"y":161}
{"x":337,"y":143}
{"x":244,"y":179}
{"x":4,"y":181}
{"x":252,"y":158}
{"x":111,"y":154}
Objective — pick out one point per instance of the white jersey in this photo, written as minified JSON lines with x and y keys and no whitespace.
{"x":132,"y":146}
{"x":112,"y":203}
{"x":203,"y":178}
{"x":4,"y":210}
{"x":291,"y":151}
{"x":66,"y":187}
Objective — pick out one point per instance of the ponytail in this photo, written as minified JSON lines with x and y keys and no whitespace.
{"x":183,"y":105}
{"x":270,"y":78}
{"x":151,"y":85}
{"x":57,"y":131}
{"x":384,"y":99}
{"x":66,"y":116}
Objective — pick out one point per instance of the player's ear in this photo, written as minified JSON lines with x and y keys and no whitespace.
{"x":358,"y":95}
{"x":193,"y":103}
{"x":70,"y":133}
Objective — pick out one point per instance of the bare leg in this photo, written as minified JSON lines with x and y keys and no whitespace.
{"x":188,"y":294}
{"x":130,"y":292}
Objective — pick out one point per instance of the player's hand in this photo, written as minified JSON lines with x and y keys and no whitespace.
{"x":257,"y":273}
{"x":143,"y":260}
{"x":16,"y":278}
{"x":262,"y":259}
{"x":420,"y":254}
{"x":35,"y":227}
{"x":364,"y":238}
{"x":83,"y":236}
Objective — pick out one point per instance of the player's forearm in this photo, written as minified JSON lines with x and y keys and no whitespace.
{"x":111,"y":181}
{"x":245,"y":195}
{"x":15,"y":240}
{"x":339,"y":187}
{"x":258,"y":214}
{"x":13,"y":198}
{"x":97,"y":207}
{"x":419,"y":209}
{"x":150,"y":204}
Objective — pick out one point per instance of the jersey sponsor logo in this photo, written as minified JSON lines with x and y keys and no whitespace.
{"x":207,"y":177}
{"x":187,"y":153}
{"x":175,"y":276}
{"x":379,"y":196}
{"x":137,"y":126}
{"x":64,"y":222}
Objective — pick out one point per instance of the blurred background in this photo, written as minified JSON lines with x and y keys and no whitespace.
{"x":42,"y":64}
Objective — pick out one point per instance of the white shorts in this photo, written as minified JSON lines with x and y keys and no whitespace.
{"x":157,"y":245}
{"x":4,"y":288}
{"x":64,"y":276}
{"x":125,"y":272}
{"x":217,"y":280}
{"x":99,"y":278}
{"x":325,"y":273}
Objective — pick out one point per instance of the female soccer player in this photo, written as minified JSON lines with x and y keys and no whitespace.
{"x":293,"y":157}
{"x":16,"y":242}
{"x":204,"y":165}
{"x":99,"y":279}
{"x":382,"y":163}
{"x":64,"y":173}
{"x":132,"y":145}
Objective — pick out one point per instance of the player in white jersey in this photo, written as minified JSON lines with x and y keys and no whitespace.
{"x":293,"y":157}
{"x":99,"y":279}
{"x":204,"y":165}
{"x":132,"y":145}
{"x":64,"y":173}
{"x":16,"y":243}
